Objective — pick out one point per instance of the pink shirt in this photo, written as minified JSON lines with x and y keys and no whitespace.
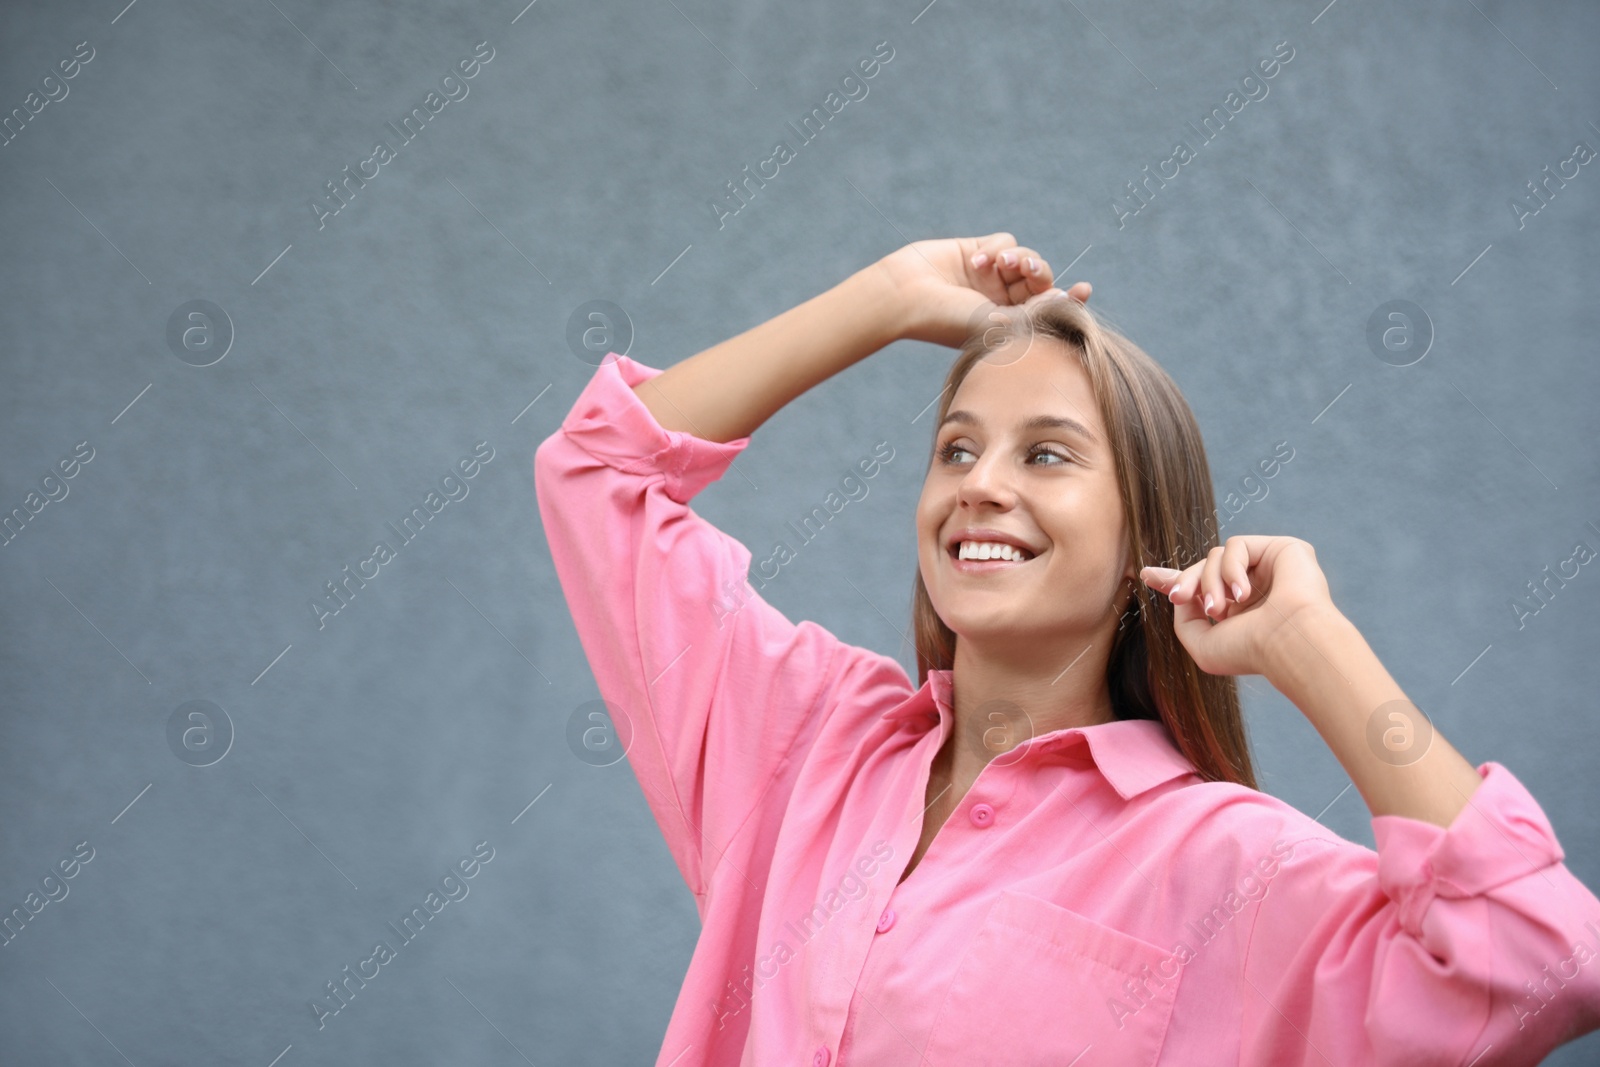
{"x":1091,"y":897}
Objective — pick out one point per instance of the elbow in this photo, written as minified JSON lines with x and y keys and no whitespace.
{"x":542,"y":456}
{"x":548,"y":461}
{"x":552,"y":469}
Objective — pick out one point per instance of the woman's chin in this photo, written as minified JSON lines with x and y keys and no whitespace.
{"x":984,"y":627}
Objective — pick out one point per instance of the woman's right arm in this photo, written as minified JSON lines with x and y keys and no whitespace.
{"x":714,"y":695}
{"x":923,"y":291}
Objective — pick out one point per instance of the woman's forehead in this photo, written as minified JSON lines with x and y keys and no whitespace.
{"x":1027,"y":394}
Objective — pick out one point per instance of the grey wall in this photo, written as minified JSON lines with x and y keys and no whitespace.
{"x":361,"y":758}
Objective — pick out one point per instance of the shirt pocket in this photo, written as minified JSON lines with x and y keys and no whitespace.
{"x":1041,"y":984}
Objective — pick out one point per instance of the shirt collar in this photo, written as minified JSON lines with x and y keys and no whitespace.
{"x":1133,"y":755}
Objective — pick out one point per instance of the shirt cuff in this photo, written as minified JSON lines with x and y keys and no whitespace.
{"x":611,"y":423}
{"x":1501,"y":835}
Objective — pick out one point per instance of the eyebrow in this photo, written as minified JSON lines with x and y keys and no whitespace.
{"x":1038,"y":422}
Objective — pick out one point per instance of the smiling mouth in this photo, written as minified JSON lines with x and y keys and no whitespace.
{"x":992,"y":563}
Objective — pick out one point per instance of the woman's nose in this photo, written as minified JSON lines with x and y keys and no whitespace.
{"x":987,"y":480}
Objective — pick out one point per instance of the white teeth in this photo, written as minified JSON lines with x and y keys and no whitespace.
{"x":991,"y":550}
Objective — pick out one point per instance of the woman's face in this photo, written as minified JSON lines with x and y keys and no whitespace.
{"x":1051,"y":487}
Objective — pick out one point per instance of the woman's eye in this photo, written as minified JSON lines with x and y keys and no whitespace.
{"x":948,"y":452}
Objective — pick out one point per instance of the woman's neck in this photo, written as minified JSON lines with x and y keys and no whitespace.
{"x":999,"y":704}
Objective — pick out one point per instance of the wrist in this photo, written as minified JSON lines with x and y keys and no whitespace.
{"x":886,"y":306}
{"x":1298,"y":636}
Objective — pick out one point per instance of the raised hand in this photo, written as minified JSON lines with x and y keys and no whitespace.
{"x":944,"y":282}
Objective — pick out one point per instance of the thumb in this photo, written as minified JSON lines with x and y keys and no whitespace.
{"x":1160,"y":579}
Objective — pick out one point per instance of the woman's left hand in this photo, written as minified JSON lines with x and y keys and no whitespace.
{"x":1256,"y":585}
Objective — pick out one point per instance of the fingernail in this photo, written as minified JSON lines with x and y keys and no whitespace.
{"x":1238,"y":594}
{"x":1008,"y":258}
{"x":1055,"y":293}
{"x":979,"y":260}
{"x":1208,"y":603}
{"x":1033,"y":265}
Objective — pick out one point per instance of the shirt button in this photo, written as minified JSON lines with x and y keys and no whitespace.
{"x":821,"y":1058}
{"x":981,"y":815}
{"x":886,"y":920}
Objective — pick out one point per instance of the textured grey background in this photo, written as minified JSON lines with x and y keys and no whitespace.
{"x":371,"y":754}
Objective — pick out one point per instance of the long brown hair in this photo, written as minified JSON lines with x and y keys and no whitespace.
{"x":1170,"y":506}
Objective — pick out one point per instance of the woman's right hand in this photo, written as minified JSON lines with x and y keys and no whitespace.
{"x":943,"y":283}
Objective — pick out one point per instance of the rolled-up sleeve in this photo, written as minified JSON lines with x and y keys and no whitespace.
{"x":1467,"y":944}
{"x":711,"y":688}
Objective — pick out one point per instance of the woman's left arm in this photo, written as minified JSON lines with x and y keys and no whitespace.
{"x":1469,"y":939}
{"x":1270,"y":613}
{"x":1398,"y":761}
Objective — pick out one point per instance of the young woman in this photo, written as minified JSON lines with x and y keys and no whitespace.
{"x":1050,"y":850}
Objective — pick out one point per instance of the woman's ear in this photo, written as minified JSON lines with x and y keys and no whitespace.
{"x":1131,"y":568}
